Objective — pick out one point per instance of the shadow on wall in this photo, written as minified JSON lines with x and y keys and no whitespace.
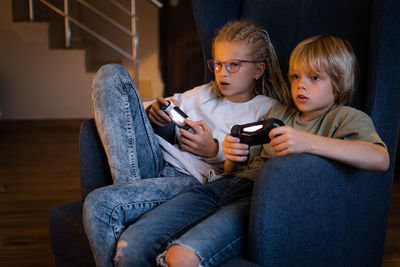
{"x":180,"y":49}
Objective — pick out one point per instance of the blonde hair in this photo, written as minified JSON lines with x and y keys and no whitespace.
{"x":272,"y":83}
{"x":333,"y":55}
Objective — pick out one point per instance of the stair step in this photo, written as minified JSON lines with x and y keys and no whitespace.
{"x":97,"y":53}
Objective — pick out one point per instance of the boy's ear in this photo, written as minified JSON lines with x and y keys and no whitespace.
{"x":260,"y":69}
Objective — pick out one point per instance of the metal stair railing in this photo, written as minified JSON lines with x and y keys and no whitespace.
{"x":132,"y":32}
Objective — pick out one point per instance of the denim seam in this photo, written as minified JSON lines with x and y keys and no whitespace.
{"x":144,"y":116}
{"x":133,"y":204}
{"x":220,"y":251}
{"x":129,"y":119}
{"x":118,"y":208}
{"x":178,"y":231}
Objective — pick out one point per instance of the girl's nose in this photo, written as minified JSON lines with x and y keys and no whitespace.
{"x":223,"y":71}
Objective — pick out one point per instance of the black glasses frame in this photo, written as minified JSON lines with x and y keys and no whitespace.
{"x":228,"y":64}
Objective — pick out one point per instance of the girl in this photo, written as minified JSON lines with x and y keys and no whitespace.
{"x":245,"y":67}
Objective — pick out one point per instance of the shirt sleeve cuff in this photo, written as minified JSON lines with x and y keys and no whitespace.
{"x":219,"y":158}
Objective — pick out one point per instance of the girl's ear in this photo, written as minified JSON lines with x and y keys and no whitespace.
{"x":260,"y":70}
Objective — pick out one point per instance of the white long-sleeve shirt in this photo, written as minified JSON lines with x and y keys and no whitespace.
{"x":200,"y":103}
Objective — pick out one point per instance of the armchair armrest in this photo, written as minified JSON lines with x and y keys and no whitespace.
{"x":312,"y":211}
{"x":94,"y":169}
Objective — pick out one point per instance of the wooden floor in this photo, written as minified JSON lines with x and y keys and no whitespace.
{"x":39,"y":168}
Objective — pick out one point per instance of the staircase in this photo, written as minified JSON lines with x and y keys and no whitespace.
{"x":42,"y":79}
{"x":105,"y":29}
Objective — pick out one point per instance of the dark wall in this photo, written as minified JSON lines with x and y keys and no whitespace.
{"x":180,"y":49}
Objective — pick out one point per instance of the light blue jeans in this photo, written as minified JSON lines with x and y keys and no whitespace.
{"x":210,"y":219}
{"x":134,"y":155}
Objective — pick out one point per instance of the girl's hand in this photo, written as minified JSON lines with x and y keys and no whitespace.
{"x":156,"y":115}
{"x":234,"y":150}
{"x":287,"y":140}
{"x":201,"y":142}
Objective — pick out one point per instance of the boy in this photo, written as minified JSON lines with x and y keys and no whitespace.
{"x":322,"y":74}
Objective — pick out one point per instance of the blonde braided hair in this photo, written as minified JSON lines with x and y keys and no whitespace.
{"x":272,"y":83}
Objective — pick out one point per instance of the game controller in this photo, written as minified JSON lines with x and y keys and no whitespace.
{"x":255,"y":133}
{"x":176,"y":115}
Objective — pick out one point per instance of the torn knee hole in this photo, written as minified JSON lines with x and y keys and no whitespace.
{"x":120,"y":247}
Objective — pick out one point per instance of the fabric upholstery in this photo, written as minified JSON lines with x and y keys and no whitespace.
{"x":93,"y":160}
{"x":68,"y":239}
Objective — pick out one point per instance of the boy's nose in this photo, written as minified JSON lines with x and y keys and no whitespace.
{"x":302,"y":83}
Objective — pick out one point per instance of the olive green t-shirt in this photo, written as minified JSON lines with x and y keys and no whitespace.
{"x":342,"y":123}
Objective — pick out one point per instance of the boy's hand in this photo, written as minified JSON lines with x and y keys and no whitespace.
{"x":287,"y":140}
{"x":156,"y":115}
{"x":234,"y":150}
{"x":201,"y":142}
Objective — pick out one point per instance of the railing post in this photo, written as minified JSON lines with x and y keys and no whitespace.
{"x":132,"y":32}
{"x":67,"y":25}
{"x":135,"y":42}
{"x":31,"y":14}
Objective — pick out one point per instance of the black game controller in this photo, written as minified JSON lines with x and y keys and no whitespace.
{"x":255,"y":133}
{"x":177,"y":115}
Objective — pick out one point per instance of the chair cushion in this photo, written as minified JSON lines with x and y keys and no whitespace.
{"x":68,"y":238}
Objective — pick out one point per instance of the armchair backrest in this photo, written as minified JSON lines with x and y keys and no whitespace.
{"x":372,"y":27}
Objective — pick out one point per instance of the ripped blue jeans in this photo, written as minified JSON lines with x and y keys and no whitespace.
{"x":134,"y":155}
{"x":210,"y":219}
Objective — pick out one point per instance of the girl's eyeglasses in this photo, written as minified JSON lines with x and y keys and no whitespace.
{"x":232,"y":65}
